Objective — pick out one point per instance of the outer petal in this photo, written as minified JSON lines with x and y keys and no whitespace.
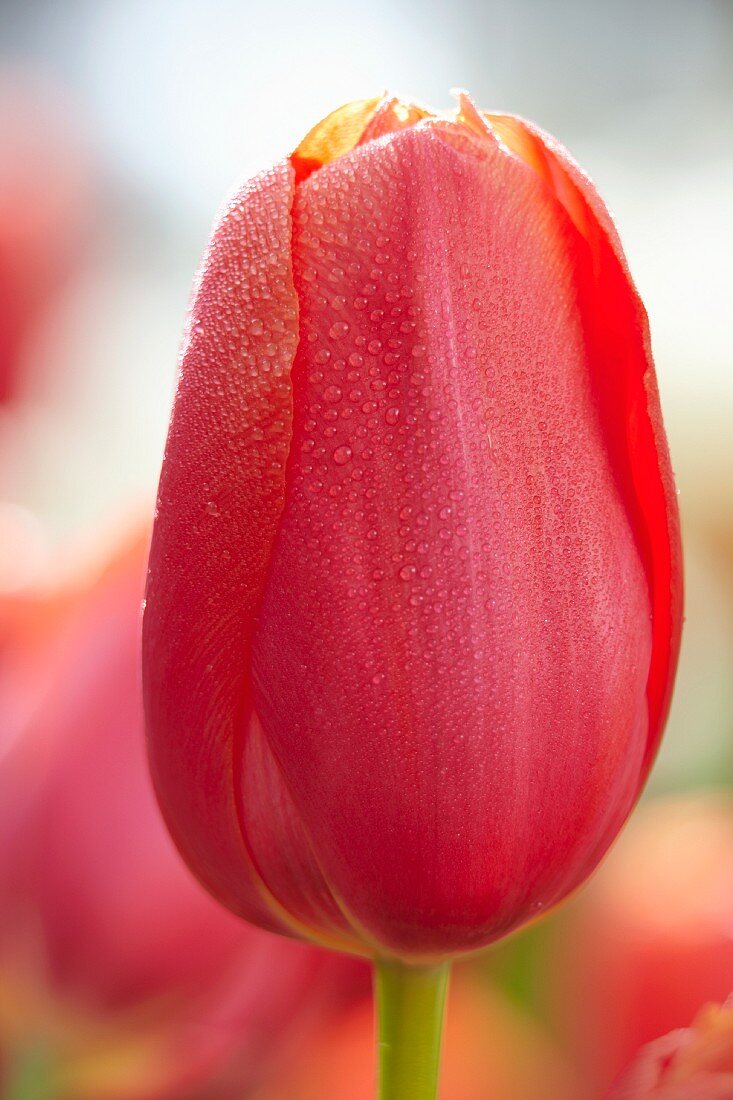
{"x":220,"y":498}
{"x":628,"y":400}
{"x":280,"y":848}
{"x":453,"y":649}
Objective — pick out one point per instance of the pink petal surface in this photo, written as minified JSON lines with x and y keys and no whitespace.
{"x":629,"y":402}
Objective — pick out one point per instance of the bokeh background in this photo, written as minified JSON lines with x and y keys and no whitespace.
{"x":124,"y":124}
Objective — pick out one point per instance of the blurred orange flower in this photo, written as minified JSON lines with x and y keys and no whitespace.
{"x":650,"y":942}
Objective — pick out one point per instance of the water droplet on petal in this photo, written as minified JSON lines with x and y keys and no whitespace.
{"x":342,"y":455}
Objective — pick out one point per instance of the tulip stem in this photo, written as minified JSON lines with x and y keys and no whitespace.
{"x":410,"y":1003}
{"x":28,"y":1075}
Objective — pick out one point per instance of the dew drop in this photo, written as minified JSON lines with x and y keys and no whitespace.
{"x":342,"y":455}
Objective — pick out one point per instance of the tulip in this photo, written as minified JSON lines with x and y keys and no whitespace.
{"x":414,"y":592}
{"x":649,"y":943}
{"x":120,"y":979}
{"x":694,"y":1063}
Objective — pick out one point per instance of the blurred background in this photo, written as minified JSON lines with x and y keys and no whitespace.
{"x":123,"y":125}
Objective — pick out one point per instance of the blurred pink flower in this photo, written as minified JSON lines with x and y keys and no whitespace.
{"x":113,"y":960}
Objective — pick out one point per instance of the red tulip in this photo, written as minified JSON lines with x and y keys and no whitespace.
{"x":695,"y":1063}
{"x":414,"y":594}
{"x":650,"y":942}
{"x":114,"y":964}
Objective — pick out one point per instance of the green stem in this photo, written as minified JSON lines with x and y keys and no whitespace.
{"x":410,"y":1003}
{"x":28,"y":1075}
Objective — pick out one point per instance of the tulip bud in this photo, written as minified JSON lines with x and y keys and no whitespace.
{"x":414,"y":596}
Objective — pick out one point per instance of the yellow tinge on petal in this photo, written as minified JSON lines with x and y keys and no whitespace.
{"x":353,"y":124}
{"x":524,"y":143}
{"x":334,"y":135}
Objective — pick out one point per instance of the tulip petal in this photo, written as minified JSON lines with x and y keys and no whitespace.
{"x":333,"y":136}
{"x":452,"y":649}
{"x":628,"y":399}
{"x":353,"y":124}
{"x":392,"y":115}
{"x":281,"y":851}
{"x":219,"y":503}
